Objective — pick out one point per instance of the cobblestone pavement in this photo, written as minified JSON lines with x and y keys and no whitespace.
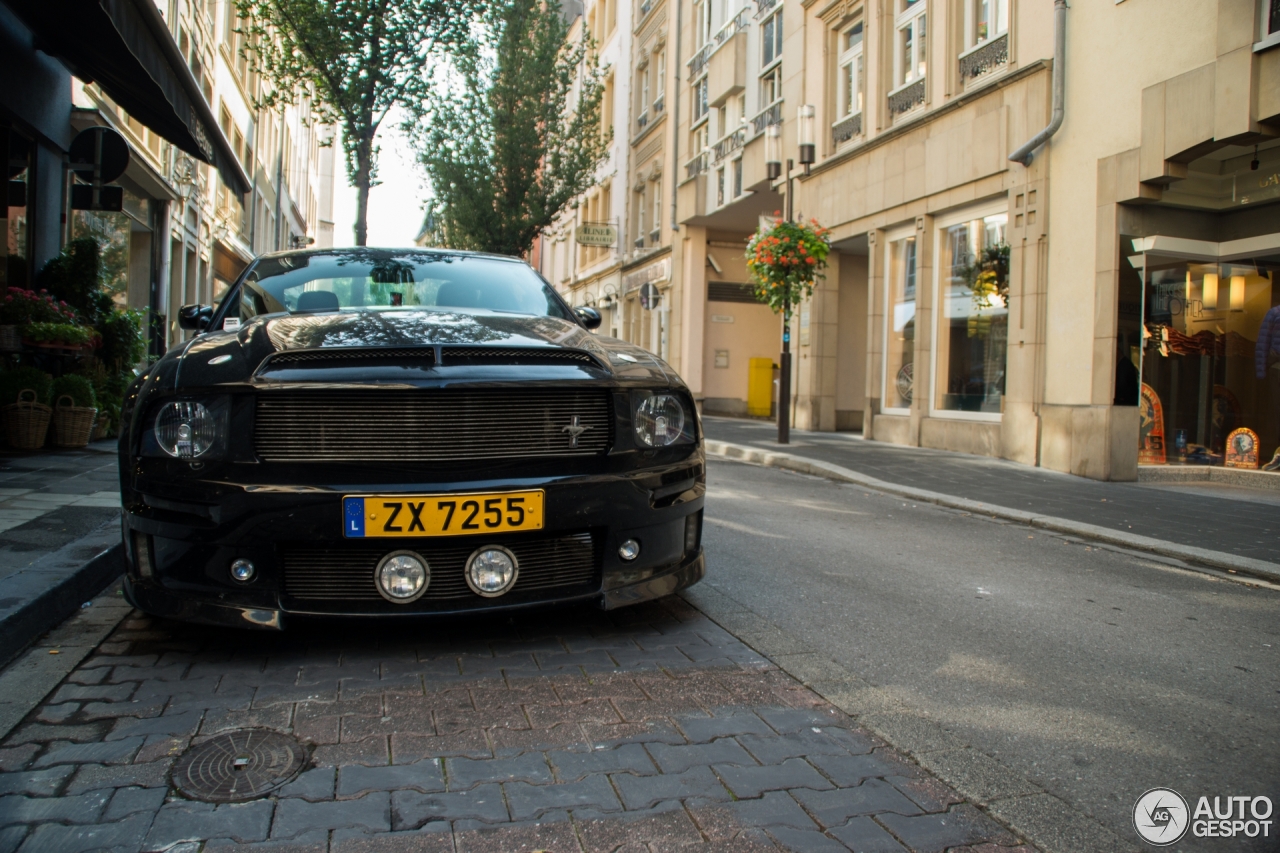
{"x":645,"y":729}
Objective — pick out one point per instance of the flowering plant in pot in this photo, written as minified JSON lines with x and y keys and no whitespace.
{"x":20,"y":306}
{"x":785,"y":259}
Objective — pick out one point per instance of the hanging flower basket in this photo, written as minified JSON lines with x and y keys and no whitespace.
{"x":784,"y":261}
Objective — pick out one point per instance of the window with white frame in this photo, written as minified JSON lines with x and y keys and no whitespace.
{"x":771,"y":85}
{"x":771,"y":39}
{"x":644,"y":87}
{"x":737,"y":177}
{"x":910,"y":48}
{"x":1269,"y":21}
{"x":702,"y":23}
{"x":700,"y":100}
{"x":720,"y":187}
{"x":656,"y":233}
{"x":640,"y":211}
{"x":973,"y":320}
{"x":985,"y":20}
{"x":900,"y":321}
{"x":849,"y":89}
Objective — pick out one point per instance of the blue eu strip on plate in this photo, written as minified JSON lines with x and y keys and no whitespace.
{"x":353,"y":516}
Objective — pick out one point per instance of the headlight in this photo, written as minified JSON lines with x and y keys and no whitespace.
{"x":188,"y":429}
{"x":661,"y":420}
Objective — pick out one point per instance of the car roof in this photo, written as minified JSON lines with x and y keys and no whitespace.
{"x":390,"y":250}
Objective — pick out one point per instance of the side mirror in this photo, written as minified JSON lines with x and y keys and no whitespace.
{"x":588,"y":317}
{"x":195,"y":317}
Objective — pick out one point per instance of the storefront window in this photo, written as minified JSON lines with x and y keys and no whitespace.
{"x":900,"y":340}
{"x":1210,"y":362}
{"x":973,"y":326}
{"x":14,"y":228}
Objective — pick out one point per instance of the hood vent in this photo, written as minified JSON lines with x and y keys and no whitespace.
{"x":486,"y":356}
{"x":348,"y":357}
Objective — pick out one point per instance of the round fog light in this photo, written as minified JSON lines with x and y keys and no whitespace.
{"x":402,"y":576}
{"x":629,"y":550}
{"x":491,"y":571}
{"x":243,"y":571}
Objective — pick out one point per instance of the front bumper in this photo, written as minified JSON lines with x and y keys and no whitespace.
{"x":179,"y":552}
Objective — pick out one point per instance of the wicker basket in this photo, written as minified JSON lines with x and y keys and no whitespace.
{"x":101,"y":428}
{"x":26,"y":422}
{"x":72,"y":424}
{"x":10,"y":339}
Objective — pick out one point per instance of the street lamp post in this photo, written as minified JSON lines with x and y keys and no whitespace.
{"x":773,"y":170}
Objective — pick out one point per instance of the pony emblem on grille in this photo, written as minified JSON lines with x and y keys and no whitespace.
{"x":575,"y":429}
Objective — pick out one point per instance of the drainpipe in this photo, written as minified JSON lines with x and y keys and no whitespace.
{"x":675,"y":122}
{"x":1024,"y":154}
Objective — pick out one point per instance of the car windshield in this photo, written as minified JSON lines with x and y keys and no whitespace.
{"x":374,"y":280}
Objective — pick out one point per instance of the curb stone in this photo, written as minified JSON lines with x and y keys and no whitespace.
{"x":1196,"y":557}
{"x":1049,"y":823}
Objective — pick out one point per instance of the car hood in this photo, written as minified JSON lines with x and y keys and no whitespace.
{"x":202,"y":362}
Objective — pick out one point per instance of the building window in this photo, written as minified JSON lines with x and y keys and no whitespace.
{"x":771,"y":40}
{"x":15,"y":230}
{"x":656,"y":233}
{"x":771,"y":85}
{"x":700,"y":107}
{"x":911,"y":48}
{"x":720,"y":187}
{"x":640,"y":210}
{"x":1269,"y":20}
{"x":737,"y":177}
{"x":900,"y":338}
{"x":644,"y":88}
{"x":973,"y":323}
{"x":849,"y":90}
{"x":660,"y":80}
{"x":985,"y":20}
{"x":702,"y":23}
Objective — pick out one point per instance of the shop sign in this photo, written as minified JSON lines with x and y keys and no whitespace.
{"x":1151,"y":428}
{"x":658,"y":271}
{"x":1242,"y":449}
{"x":596,"y":234}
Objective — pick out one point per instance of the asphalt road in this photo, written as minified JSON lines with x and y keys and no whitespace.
{"x":1095,"y":674}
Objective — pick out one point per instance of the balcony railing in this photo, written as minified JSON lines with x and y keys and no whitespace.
{"x":985,"y":57}
{"x":764,"y":7}
{"x":639,"y":242}
{"x":696,"y":166}
{"x":846,"y":129}
{"x":642,"y":121}
{"x":771,"y":114}
{"x":906,"y":98}
{"x":654,"y":236}
{"x":728,"y":144}
{"x":698,"y":62}
{"x":659,"y":104}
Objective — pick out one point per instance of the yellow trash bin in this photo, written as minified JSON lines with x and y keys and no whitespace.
{"x":760,"y":387}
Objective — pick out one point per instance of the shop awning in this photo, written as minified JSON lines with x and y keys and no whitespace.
{"x":126,"y":48}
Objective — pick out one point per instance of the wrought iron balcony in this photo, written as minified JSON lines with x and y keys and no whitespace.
{"x":985,"y":57}
{"x":906,"y":98}
{"x":659,"y":104}
{"x":728,"y":144}
{"x":642,"y":121}
{"x":771,"y":114}
{"x":696,"y":166}
{"x":846,"y":129}
{"x":764,"y":7}
{"x":698,"y":62}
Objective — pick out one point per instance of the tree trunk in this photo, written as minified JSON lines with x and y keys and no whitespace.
{"x":364,"y":170}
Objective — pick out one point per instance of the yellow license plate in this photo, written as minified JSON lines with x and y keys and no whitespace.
{"x":367,"y":516}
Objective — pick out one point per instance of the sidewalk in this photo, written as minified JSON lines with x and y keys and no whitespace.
{"x":1234,"y":520}
{"x":59,"y":513}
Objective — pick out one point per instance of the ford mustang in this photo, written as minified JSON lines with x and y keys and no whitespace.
{"x":370,"y":432}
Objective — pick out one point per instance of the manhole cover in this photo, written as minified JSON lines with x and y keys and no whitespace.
{"x":237,"y":766}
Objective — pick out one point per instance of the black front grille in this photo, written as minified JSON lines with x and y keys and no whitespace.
{"x":549,"y":567}
{"x":436,"y":425}
{"x":348,"y":357}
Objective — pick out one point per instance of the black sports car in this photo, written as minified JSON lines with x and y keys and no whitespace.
{"x":378,"y":432}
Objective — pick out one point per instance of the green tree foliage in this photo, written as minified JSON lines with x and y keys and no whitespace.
{"x":517,"y":137}
{"x":75,"y":277}
{"x":360,"y":57}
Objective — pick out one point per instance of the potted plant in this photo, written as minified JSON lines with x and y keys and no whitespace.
{"x":24,"y":396}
